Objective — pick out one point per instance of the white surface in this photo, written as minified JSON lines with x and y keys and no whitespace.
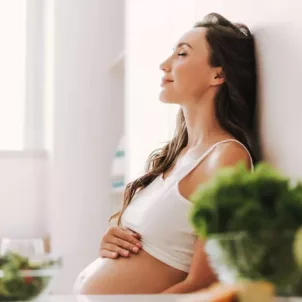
{"x":152,"y":30}
{"x":35,"y":82}
{"x":87,"y":124}
{"x":134,"y":298}
{"x":118,"y":61}
{"x":22,"y":194}
{"x":12,"y":73}
{"x":116,"y":298}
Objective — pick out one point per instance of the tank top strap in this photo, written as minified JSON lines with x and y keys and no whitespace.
{"x":186,"y":169}
{"x":204,"y":155}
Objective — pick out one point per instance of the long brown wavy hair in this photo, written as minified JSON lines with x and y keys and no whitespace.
{"x":232,"y":47}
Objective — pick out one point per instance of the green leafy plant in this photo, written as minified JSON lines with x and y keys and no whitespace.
{"x":18,"y":280}
{"x":252,"y":225}
{"x":237,"y":200}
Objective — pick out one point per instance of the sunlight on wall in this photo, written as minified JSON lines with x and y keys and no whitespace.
{"x":12,"y":73}
{"x":153,"y":28}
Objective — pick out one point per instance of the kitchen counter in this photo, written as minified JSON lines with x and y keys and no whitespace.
{"x":133,"y":298}
{"x":113,"y":298}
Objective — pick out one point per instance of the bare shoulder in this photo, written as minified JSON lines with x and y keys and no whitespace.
{"x":224,"y":155}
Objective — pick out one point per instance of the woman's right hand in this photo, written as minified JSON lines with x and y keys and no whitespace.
{"x":119,"y":242}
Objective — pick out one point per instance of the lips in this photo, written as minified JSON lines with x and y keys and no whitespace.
{"x":165,"y":81}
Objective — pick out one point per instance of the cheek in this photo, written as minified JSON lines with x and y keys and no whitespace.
{"x":191,"y":79}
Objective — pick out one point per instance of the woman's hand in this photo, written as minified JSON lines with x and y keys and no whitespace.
{"x":119,"y":242}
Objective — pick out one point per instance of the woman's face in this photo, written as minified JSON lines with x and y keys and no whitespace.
{"x":187,"y":73}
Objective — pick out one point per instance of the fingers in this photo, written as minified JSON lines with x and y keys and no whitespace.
{"x":136,"y":235}
{"x":119,"y":242}
{"x":108,"y":254}
{"x":116,"y":249}
{"x":125,"y":235}
{"x":124,"y":244}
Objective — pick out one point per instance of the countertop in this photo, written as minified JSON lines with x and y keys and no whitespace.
{"x":134,"y":298}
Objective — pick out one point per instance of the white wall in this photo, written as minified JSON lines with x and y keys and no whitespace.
{"x":276,"y":24}
{"x":153,"y":28}
{"x":23,"y":173}
{"x":33,"y":128}
{"x":66,"y":190}
{"x":22,"y":194}
{"x":87,"y":123}
{"x":277,"y":27}
{"x":12,"y":73}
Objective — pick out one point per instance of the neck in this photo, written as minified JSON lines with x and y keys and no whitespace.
{"x":201,"y":122}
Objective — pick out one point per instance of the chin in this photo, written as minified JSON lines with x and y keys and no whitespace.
{"x":165,"y":98}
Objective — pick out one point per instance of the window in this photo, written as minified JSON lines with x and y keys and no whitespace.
{"x":12,"y":73}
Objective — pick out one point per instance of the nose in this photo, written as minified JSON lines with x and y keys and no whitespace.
{"x":165,"y":65}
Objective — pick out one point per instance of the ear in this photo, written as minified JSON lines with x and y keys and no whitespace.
{"x":218,"y":77}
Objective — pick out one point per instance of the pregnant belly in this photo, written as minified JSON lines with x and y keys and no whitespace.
{"x":138,"y":274}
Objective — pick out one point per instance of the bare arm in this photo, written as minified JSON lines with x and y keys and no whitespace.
{"x":200,"y":274}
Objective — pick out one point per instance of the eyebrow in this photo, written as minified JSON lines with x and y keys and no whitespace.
{"x":182,"y":44}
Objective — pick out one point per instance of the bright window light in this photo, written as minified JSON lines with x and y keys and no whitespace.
{"x":12,"y":73}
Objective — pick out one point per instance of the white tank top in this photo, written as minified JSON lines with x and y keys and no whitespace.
{"x":159,"y":213}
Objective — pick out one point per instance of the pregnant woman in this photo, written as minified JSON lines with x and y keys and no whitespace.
{"x":211,"y":74}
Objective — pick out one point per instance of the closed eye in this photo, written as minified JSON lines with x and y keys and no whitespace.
{"x":182,"y":54}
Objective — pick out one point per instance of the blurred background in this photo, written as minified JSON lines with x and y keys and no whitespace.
{"x":79,"y":107}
